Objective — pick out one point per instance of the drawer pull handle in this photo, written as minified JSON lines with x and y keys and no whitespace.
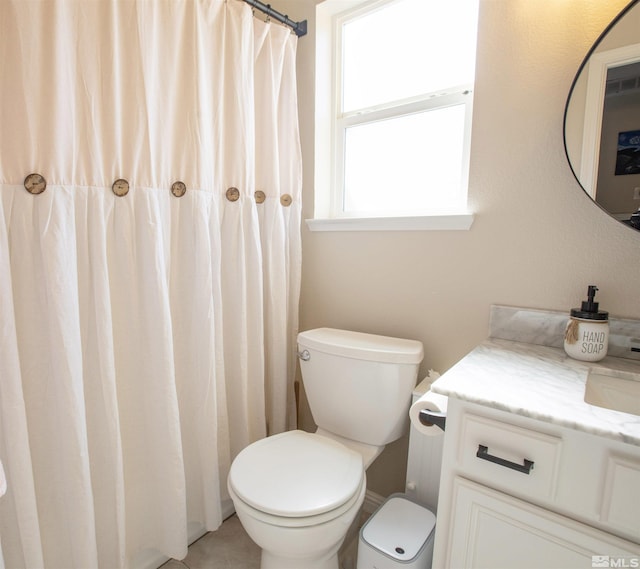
{"x":483,"y":453}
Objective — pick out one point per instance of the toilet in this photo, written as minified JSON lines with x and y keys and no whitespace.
{"x":297,"y":493}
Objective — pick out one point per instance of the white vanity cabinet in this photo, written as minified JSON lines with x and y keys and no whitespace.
{"x":516,"y":492}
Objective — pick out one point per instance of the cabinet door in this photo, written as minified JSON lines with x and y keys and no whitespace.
{"x":621,"y":502}
{"x":492,"y":530}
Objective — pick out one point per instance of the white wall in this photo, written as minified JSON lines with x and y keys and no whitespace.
{"x":537,"y":240}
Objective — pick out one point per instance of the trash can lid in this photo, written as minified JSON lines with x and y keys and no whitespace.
{"x":399,"y":528}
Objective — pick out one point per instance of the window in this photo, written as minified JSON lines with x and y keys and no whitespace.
{"x":394,"y":96}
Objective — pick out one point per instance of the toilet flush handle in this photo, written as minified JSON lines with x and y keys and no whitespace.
{"x":304,"y":355}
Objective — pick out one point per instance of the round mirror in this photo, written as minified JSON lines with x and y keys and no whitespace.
{"x":602,"y":119}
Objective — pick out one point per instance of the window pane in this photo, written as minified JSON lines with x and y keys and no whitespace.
{"x":405,"y":165}
{"x":407,"y":48}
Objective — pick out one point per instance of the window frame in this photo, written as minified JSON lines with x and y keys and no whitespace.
{"x":331,"y":125}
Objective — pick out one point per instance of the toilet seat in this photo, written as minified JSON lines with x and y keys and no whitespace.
{"x":297,"y":475}
{"x":243,"y":509}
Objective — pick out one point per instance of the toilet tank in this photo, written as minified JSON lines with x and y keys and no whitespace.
{"x":359,"y":385}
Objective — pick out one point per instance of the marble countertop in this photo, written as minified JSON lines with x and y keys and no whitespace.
{"x":539,"y":382}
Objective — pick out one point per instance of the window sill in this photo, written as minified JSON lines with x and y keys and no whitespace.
{"x":455,"y":222}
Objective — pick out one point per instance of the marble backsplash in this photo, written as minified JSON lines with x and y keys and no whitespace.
{"x":546,"y":328}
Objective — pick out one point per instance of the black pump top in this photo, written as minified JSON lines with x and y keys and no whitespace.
{"x":589,"y":309}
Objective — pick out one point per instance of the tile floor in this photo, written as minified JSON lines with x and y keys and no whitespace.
{"x":227,"y":548}
{"x":231,"y":548}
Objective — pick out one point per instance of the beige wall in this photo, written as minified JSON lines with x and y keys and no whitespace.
{"x":537,"y":239}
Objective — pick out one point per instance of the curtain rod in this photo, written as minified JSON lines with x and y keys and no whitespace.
{"x":299,"y":28}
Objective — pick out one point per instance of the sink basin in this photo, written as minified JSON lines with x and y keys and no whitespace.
{"x":617,"y":390}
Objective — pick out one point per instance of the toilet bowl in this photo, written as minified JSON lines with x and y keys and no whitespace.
{"x":297,"y":493}
{"x":300,"y":503}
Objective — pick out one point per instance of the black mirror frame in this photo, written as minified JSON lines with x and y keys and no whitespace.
{"x":584,"y":63}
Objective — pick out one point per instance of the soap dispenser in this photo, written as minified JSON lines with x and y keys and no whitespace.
{"x":586,"y":337}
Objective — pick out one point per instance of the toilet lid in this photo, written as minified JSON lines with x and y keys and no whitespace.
{"x":296,"y":474}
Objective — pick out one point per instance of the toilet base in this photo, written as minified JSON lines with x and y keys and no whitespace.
{"x":312,"y":546}
{"x":271,"y":561}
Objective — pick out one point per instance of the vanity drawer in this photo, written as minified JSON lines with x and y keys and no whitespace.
{"x":517,"y":460}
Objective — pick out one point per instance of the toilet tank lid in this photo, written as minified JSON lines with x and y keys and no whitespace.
{"x":362,"y":346}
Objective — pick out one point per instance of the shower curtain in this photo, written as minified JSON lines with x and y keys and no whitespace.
{"x":150,"y":180}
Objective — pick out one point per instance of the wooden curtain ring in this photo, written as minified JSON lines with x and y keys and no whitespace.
{"x":35,"y":184}
{"x":178,"y":189}
{"x":120,"y":187}
{"x":233,"y":194}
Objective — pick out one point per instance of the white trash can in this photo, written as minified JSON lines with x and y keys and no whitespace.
{"x":398,"y":535}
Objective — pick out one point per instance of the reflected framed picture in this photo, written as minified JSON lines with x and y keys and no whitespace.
{"x":628,"y":158}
